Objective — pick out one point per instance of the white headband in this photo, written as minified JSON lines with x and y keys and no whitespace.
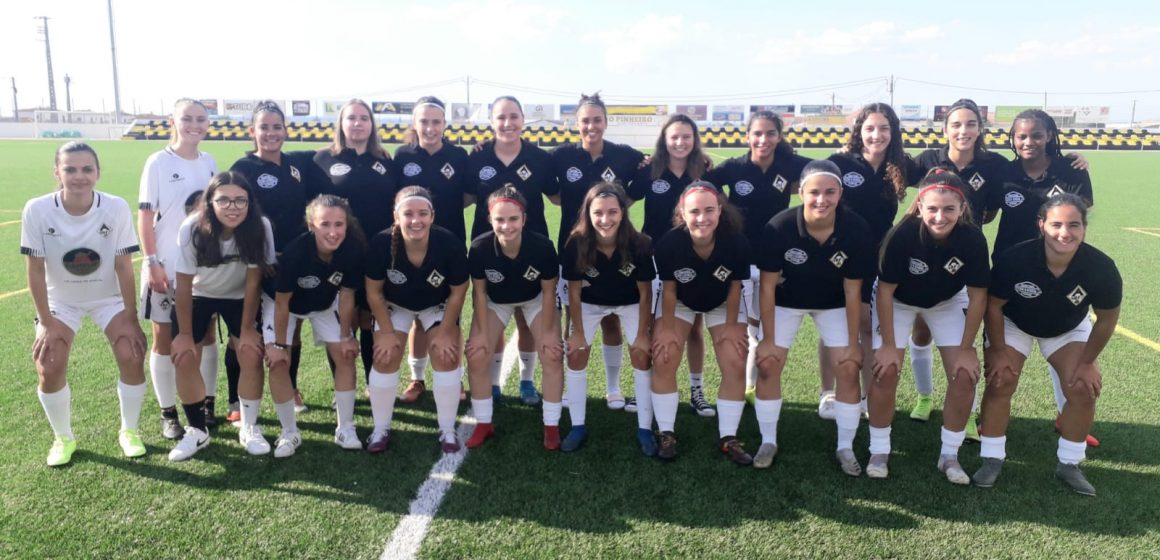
{"x":430,"y":104}
{"x":824,"y":174}
{"x":408,"y":198}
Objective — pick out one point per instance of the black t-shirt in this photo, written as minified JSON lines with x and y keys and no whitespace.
{"x":576,"y":172}
{"x":983,"y":175}
{"x":531,"y":173}
{"x":869,"y":193}
{"x":609,"y":281}
{"x":312,"y":282}
{"x":1044,"y":306}
{"x":513,"y":280}
{"x":702,"y":284}
{"x":445,"y":173}
{"x":1021,"y":196}
{"x":281,"y":192}
{"x":366,"y":181}
{"x":812,"y":273}
{"x":758,"y":195}
{"x":660,"y":199}
{"x":928,"y":273}
{"x":429,"y":284}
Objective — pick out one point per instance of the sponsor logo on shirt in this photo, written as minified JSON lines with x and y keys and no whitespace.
{"x":953,"y":265}
{"x":447,"y":170}
{"x":51,"y":232}
{"x":853,"y":179}
{"x":591,"y":272}
{"x":722,"y":273}
{"x":297,"y":175}
{"x":1028,"y":290}
{"x":176,"y":177}
{"x":308,"y":282}
{"x":165,"y":304}
{"x":267,"y":181}
{"x":976,"y":181}
{"x":335,"y":279}
{"x":412,"y":169}
{"x":918,"y":267}
{"x":661,"y":186}
{"x":1077,"y":296}
{"x":524,"y":172}
{"x":573,"y":174}
{"x":685,"y":275}
{"x":397,"y":278}
{"x":105,"y":230}
{"x":1013,"y":199}
{"x":435,"y":279}
{"x":608,"y":175}
{"x":839,"y":259}
{"x":493,"y":276}
{"x":1055,"y":191}
{"x":380,"y":168}
{"x":779,"y":183}
{"x":796,"y":256}
{"x":339,"y":169}
{"x":82,"y":261}
{"x":743,"y":188}
{"x":486,"y":173}
{"x":531,"y":274}
{"x":627,"y":269}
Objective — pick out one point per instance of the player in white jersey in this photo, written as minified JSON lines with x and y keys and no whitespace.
{"x":79,"y":244}
{"x":171,"y":184}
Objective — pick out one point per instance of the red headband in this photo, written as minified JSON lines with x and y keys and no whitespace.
{"x":500,"y":199}
{"x":694,"y":189}
{"x":940,"y":186}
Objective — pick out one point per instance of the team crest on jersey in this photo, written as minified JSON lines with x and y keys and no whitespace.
{"x":486,"y":173}
{"x":627,"y":269}
{"x":573,"y":174}
{"x":165,"y":304}
{"x":339,"y":169}
{"x":335,"y":279}
{"x":976,"y":182}
{"x":839,"y":259}
{"x":853,"y":179}
{"x":435,"y":279}
{"x":176,"y":177}
{"x":51,"y":232}
{"x":531,"y":274}
{"x":1028,"y":290}
{"x":779,"y":183}
{"x":105,"y":230}
{"x":524,"y":172}
{"x":722,"y":273}
{"x":267,"y":181}
{"x":1077,"y":296}
{"x":591,"y":272}
{"x":608,"y":175}
{"x":743,"y":188}
{"x":412,"y":169}
{"x":796,"y":256}
{"x":447,"y":170}
{"x":918,"y":267}
{"x":81,"y":262}
{"x":380,"y":168}
{"x":1013,"y":199}
{"x":309,"y":282}
{"x":661,"y":186}
{"x":297,"y":175}
{"x":685,"y":275}
{"x":1055,"y":191}
{"x":953,"y":265}
{"x":397,"y":278}
{"x":493,"y":276}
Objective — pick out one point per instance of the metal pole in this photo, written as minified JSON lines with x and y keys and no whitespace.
{"x":48,"y":59}
{"x":1132,"y":122}
{"x":67,"y":93}
{"x":15,"y":105}
{"x":469,"y":93}
{"x":116,"y":84}
{"x":892,"y":90}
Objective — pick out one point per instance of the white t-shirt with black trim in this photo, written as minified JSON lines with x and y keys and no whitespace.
{"x":171,"y":187}
{"x":222,"y":281}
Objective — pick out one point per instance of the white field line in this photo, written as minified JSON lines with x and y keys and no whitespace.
{"x":1146,"y":231}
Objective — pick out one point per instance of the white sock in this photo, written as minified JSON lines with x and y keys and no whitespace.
{"x":552,"y":412}
{"x":728,"y":416}
{"x":1060,"y":398}
{"x":922,"y":364}
{"x":879,"y":440}
{"x":164,"y":376}
{"x":642,"y":379}
{"x":383,"y":387}
{"x":286,"y":416}
{"x":496,"y":364}
{"x":481,"y":409}
{"x":751,"y":360}
{"x":209,"y":368}
{"x":576,"y":387}
{"x":58,"y":409}
{"x":952,"y":441}
{"x":251,"y":410}
{"x":446,"y":389}
{"x":846,"y":416}
{"x":665,"y":409}
{"x":768,"y":413}
{"x":613,"y":360}
{"x":344,"y":408}
{"x":1071,"y":452}
{"x":527,"y":366}
{"x":418,"y":367}
{"x":131,"y":398}
{"x":695,"y":380}
{"x":993,"y":447}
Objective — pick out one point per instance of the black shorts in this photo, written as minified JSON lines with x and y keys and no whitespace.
{"x":204,"y":308}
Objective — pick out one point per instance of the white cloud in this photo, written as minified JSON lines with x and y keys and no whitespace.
{"x":922,"y":34}
{"x":1102,"y":47}
{"x":635,"y":47}
{"x":875,"y":36}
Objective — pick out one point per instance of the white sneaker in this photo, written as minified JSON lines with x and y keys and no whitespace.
{"x":949,"y":465}
{"x":826,"y":405}
{"x":347,"y":438}
{"x":193,"y":441}
{"x":878,"y":466}
{"x":251,"y":438}
{"x":287,"y":444}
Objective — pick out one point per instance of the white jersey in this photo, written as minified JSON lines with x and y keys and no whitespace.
{"x":78,"y":251}
{"x":226,"y":280}
{"x":171,"y":186}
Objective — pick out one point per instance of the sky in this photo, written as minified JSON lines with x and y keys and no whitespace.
{"x":676,"y":51}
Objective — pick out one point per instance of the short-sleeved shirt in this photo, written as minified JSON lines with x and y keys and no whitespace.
{"x":226,"y":280}
{"x":312,"y":282}
{"x":928,"y":273}
{"x":78,"y":251}
{"x":868,"y":192}
{"x":812,"y":273}
{"x":445,"y":173}
{"x":366,"y":181}
{"x":985,"y":173}
{"x":418,"y":287}
{"x":660,"y":199}
{"x":281,"y":194}
{"x":1044,"y":306}
{"x":610,"y":280}
{"x":576,"y":172}
{"x":702,"y":284}
{"x":759,"y":195}
{"x":1021,"y":196}
{"x":171,"y":186}
{"x":513,"y":280}
{"x":531,"y":173}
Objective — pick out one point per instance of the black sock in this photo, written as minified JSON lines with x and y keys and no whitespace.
{"x":366,"y":339}
{"x":170,"y":413}
{"x":295,"y":359}
{"x":195,"y":414}
{"x":233,"y":372}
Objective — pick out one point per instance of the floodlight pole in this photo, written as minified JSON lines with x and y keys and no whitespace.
{"x":67,"y":93}
{"x":48,"y":59}
{"x":116,"y":84}
{"x":15,"y":105}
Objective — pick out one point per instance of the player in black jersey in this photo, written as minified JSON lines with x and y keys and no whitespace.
{"x":1042,"y":291}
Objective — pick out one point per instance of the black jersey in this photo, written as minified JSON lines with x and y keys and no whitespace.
{"x":576,"y":172}
{"x":812,"y":273}
{"x":609,"y":280}
{"x":1021,"y":196}
{"x":983,"y":175}
{"x":1044,"y":306}
{"x":660,"y":199}
{"x":531,"y":173}
{"x":312,"y":282}
{"x":928,"y":273}
{"x":445,"y":173}
{"x":759,"y":195}
{"x":869,"y":193}
{"x":702,"y":284}
{"x":513,"y":280}
{"x":366,"y":181}
{"x":281,"y":192}
{"x":429,"y":284}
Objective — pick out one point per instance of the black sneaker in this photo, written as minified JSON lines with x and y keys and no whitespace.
{"x":210,"y":417}
{"x":170,"y":427}
{"x":667,"y":450}
{"x":699,"y":404}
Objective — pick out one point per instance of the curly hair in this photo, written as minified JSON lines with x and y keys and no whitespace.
{"x":895,"y":156}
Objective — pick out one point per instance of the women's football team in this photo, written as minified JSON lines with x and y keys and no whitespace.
{"x":373,"y":252}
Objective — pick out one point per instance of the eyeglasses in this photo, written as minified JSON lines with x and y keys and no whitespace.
{"x":240,"y":203}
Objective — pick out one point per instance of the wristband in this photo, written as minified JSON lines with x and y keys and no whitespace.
{"x":151,"y":260}
{"x":280,"y":346}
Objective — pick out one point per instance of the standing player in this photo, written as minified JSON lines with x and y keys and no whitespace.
{"x":171,"y":187}
{"x":79,"y":244}
{"x":416,"y":272}
{"x":513,"y":272}
{"x":1041,"y":291}
{"x":702,"y":262}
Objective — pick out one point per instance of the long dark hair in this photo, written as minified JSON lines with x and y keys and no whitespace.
{"x":730,"y":220}
{"x":895,"y":155}
{"x":1044,"y":120}
{"x":783,"y":149}
{"x":937,"y":180}
{"x":354,"y":232}
{"x":250,"y":235}
{"x":628,"y":241}
{"x":695,"y":167}
{"x":396,"y":228}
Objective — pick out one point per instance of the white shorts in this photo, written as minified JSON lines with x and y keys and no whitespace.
{"x":402,"y":318}
{"x":154,"y":306}
{"x":946,"y":320}
{"x":831,"y":325}
{"x":531,"y":309}
{"x":1021,"y":341}
{"x":712,"y":318}
{"x":629,"y":319}
{"x":102,"y":311}
{"x":324,"y":323}
{"x":750,"y":293}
